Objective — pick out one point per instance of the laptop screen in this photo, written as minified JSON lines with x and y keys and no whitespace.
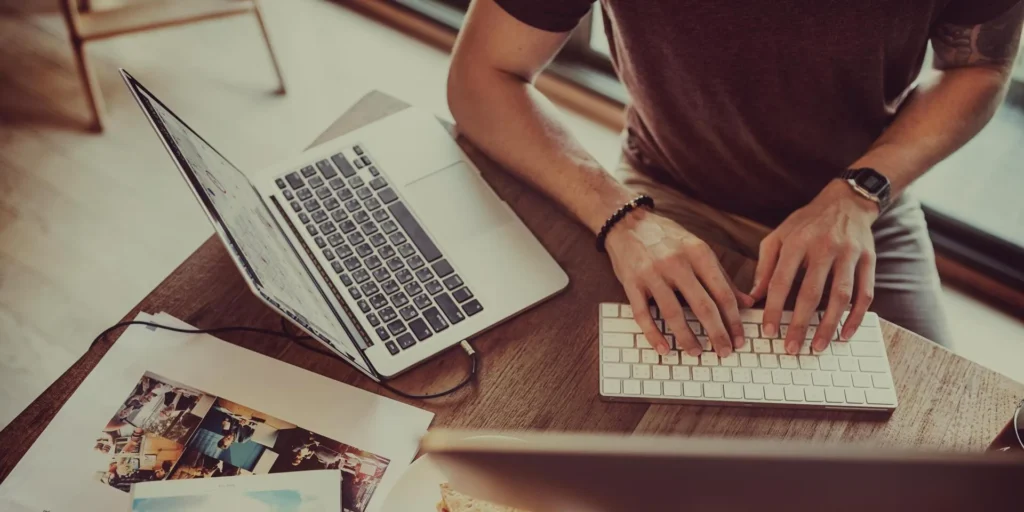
{"x":247,"y":227}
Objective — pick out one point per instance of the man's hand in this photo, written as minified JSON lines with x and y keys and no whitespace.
{"x":831,"y":235}
{"x":653,"y":257}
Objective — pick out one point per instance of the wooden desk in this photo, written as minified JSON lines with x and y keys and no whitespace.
{"x":539,"y":370}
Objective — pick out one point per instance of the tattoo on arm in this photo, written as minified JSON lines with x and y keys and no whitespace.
{"x":993,"y":43}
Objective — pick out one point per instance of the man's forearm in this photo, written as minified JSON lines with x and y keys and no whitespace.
{"x":936,"y":121}
{"x":506,"y":117}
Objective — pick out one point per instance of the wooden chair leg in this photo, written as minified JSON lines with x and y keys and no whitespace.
{"x":270,"y":48}
{"x":91,"y":85}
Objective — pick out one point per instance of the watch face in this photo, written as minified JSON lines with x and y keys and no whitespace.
{"x":871,"y":181}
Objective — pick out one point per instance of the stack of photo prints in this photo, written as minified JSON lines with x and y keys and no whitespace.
{"x":167,"y":430}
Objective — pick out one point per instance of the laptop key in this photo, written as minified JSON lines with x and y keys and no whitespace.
{"x":355,"y":182}
{"x":472,"y":307}
{"x":373,"y":262}
{"x":433,"y":287}
{"x":408,"y":313}
{"x":391,"y":347}
{"x":389,"y":286}
{"x":366,"y":160}
{"x":419,"y":329}
{"x":344,"y":194}
{"x":403,"y":276}
{"x":332,"y":204}
{"x":387,"y":314}
{"x":369,"y":288}
{"x":324,"y":193}
{"x":363,"y":306}
{"x":398,"y":238}
{"x":387,"y":195}
{"x":406,"y":250}
{"x":378,"y":183}
{"x":361,"y":275}
{"x":396,"y":327}
{"x":405,"y":341}
{"x":336,"y":265}
{"x":311,"y":205}
{"x":326,"y":169}
{"x":443,"y":268}
{"x":356,"y":238}
{"x":380,"y":215}
{"x":294,"y":180}
{"x":395,"y":263}
{"x":352,"y":205}
{"x":288,"y":195}
{"x":364,"y":250}
{"x":453,"y":282}
{"x":343,"y":166}
{"x":413,"y":289}
{"x":355,"y":293}
{"x":387,"y":226}
{"x":383,"y":334}
{"x":316,"y":182}
{"x":280,"y":183}
{"x":352,"y":263}
{"x":359,"y":163}
{"x":336,"y":183}
{"x":304,"y":194}
{"x":328,"y":228}
{"x":296,"y":206}
{"x":303,"y":218}
{"x":320,"y":242}
{"x":368,"y":227}
{"x":335,"y":239}
{"x":312,"y":229}
{"x":378,"y":239}
{"x":328,"y":253}
{"x":424,"y":274}
{"x":358,"y":150}
{"x":378,"y":301}
{"x":374,"y":171}
{"x":345,"y":279}
{"x":399,"y":299}
{"x":318,"y":216}
{"x":462,"y":294}
{"x":449,"y":308}
{"x":386,"y":252}
{"x":364,"y":193}
{"x":338,"y":215}
{"x":415,"y":231}
{"x":347,"y":226}
{"x":360,"y":217}
{"x":415,"y":262}
{"x":371,"y":204}
{"x":433,"y":315}
{"x":381,"y":274}
{"x":308,"y":171}
{"x":372,"y":318}
{"x":422,"y":301}
{"x":343,"y":251}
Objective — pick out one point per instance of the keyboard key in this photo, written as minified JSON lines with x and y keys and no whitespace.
{"x":449,"y":308}
{"x":841,"y":380}
{"x":356,"y":238}
{"x":630,"y":355}
{"x":280,"y":183}
{"x":821,"y":379}
{"x":381,"y":274}
{"x":288,"y":195}
{"x":840,"y":348}
{"x":405,"y":250}
{"x":387,"y":226}
{"x":442,"y":268}
{"x":360,"y":275}
{"x":343,"y":166}
{"x":358,"y":150}
{"x":405,"y":341}
{"x":472,"y":307}
{"x":403,"y":276}
{"x":352,"y":205}
{"x":808,"y":362}
{"x":308,"y":171}
{"x":373,"y":262}
{"x":329,"y":254}
{"x":317,"y":182}
{"x":382,"y":333}
{"x":424,"y":274}
{"x":381,"y":216}
{"x":829,"y":363}
{"x":861,"y":380}
{"x":650,"y":357}
{"x":371,"y":204}
{"x":835,"y":396}
{"x":761,"y":376}
{"x":848,"y":364}
{"x":751,"y":331}
{"x":672,"y":388}
{"x":355,"y":293}
{"x":692,"y":389}
{"x":369,"y":288}
{"x":378,"y":301}
{"x":631,"y":387}
{"x":719,"y":374}
{"x":773,"y":393}
{"x":359,"y":163}
{"x":782,"y":377}
{"x":412,"y":227}
{"x":881,"y":381}
{"x":672,"y":358}
{"x":433,"y":287}
{"x":400,"y":299}
{"x":388,"y":314}
{"x":814,"y":394}
{"x":789,"y":362}
{"x":612,"y":386}
{"x":769,"y":361}
{"x":701,"y":373}
{"x":433,"y":316}
{"x":352,"y":263}
{"x":794,"y":393}
{"x":748,"y":360}
{"x":396,"y":327}
{"x":680,"y":373}
{"x":661,"y":372}
{"x":641,"y":371}
{"x":709,"y":359}
{"x":873,"y":365}
{"x":363,"y":306}
{"x":321,"y":243}
{"x":865,"y":349}
{"x":336,"y":183}
{"x":355,"y":182}
{"x":753,"y":392}
{"x":365,"y":160}
{"x":364,"y":193}
{"x":422,"y":301}
{"x":612,"y":324}
{"x":778,"y":346}
{"x":338,"y":268}
{"x":610,"y":355}
{"x":802,"y":378}
{"x":378,"y":183}
{"x":296,"y":206}
{"x":386,"y":252}
{"x":395,"y":264}
{"x":294,"y":180}
{"x":344,"y":194}
{"x":390,"y":286}
{"x":377,"y":239}
{"x":391,"y":347}
{"x":311,"y":229}
{"x":360,"y":217}
{"x":617,"y":371}
{"x":414,"y":289}
{"x":416,"y":262}
{"x":854,"y":396}
{"x":762,"y":346}
{"x":372,"y":318}
{"x":741,"y":375}
{"x":398,"y":238}
{"x":734,"y":391}
{"x":387,"y":195}
{"x":419,"y":328}
{"x":304,"y":194}
{"x":712,"y":390}
{"x":345,"y":279}
{"x":732,"y":360}
{"x":311,"y":205}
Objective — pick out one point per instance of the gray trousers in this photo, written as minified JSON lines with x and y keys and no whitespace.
{"x":907,"y":290}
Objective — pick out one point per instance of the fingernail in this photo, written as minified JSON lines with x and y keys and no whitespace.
{"x":818,"y":345}
{"x":724,"y":352}
{"x":844,"y":334}
{"x":663,"y":349}
{"x":770,"y":330}
{"x":695,"y":352}
{"x":792,"y":347}
{"x":739,"y":341}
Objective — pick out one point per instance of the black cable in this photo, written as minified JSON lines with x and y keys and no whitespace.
{"x":298,"y":339}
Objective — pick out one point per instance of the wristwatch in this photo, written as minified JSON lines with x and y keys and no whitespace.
{"x":869,"y":183}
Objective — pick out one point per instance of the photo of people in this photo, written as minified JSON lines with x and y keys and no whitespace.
{"x":168,"y":430}
{"x":196,"y":465}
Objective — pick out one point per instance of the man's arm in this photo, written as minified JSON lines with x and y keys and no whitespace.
{"x":833,"y":232}
{"x":492,"y":96}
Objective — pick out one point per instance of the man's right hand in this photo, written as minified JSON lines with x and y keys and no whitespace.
{"x":653,"y":257}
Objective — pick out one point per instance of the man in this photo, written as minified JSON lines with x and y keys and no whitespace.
{"x":743,"y":118}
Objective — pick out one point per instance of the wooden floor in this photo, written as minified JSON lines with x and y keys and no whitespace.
{"x":90,"y":223}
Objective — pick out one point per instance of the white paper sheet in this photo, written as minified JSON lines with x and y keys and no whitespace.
{"x":283,"y":418}
{"x":305,"y":491}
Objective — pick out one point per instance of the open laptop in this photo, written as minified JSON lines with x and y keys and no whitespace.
{"x":384,"y":244}
{"x":540,"y":472}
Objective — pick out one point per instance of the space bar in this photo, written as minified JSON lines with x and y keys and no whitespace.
{"x":415,"y":232}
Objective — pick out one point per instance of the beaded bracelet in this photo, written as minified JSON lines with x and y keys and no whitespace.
{"x":641,"y":200}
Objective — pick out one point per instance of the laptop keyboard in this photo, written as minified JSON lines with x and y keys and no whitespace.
{"x":391,"y":268}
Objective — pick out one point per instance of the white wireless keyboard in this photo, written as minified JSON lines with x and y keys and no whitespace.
{"x":847,"y":375}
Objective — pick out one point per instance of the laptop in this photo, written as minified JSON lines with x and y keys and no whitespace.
{"x":541,"y":472}
{"x":384,"y":244}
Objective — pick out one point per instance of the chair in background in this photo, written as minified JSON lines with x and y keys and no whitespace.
{"x":85,"y":25}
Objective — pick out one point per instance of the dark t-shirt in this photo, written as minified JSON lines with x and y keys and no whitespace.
{"x":752,"y":106}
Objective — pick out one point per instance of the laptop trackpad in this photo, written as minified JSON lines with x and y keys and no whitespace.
{"x":455,"y":203}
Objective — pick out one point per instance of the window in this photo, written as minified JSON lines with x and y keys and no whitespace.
{"x":970,"y":200}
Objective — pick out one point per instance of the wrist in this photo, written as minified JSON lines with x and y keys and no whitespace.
{"x":841,"y":193}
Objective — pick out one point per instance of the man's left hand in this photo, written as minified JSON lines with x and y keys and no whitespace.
{"x":831,"y":235}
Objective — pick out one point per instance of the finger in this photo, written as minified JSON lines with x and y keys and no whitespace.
{"x":768,"y":257}
{"x":838,"y":301}
{"x":642,"y":316}
{"x":707,"y":312}
{"x":779,"y":284}
{"x":672,"y":313}
{"x":807,"y":302}
{"x":718,"y":286}
{"x":865,"y":294}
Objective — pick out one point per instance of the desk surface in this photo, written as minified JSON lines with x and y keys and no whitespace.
{"x":540,"y":369}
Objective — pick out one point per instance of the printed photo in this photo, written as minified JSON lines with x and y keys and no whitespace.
{"x":283,"y":500}
{"x":137,"y":456}
{"x":239,"y":436}
{"x":196,"y":465}
{"x":163,"y":407}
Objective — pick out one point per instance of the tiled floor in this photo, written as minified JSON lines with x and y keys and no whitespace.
{"x":90,"y":223}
